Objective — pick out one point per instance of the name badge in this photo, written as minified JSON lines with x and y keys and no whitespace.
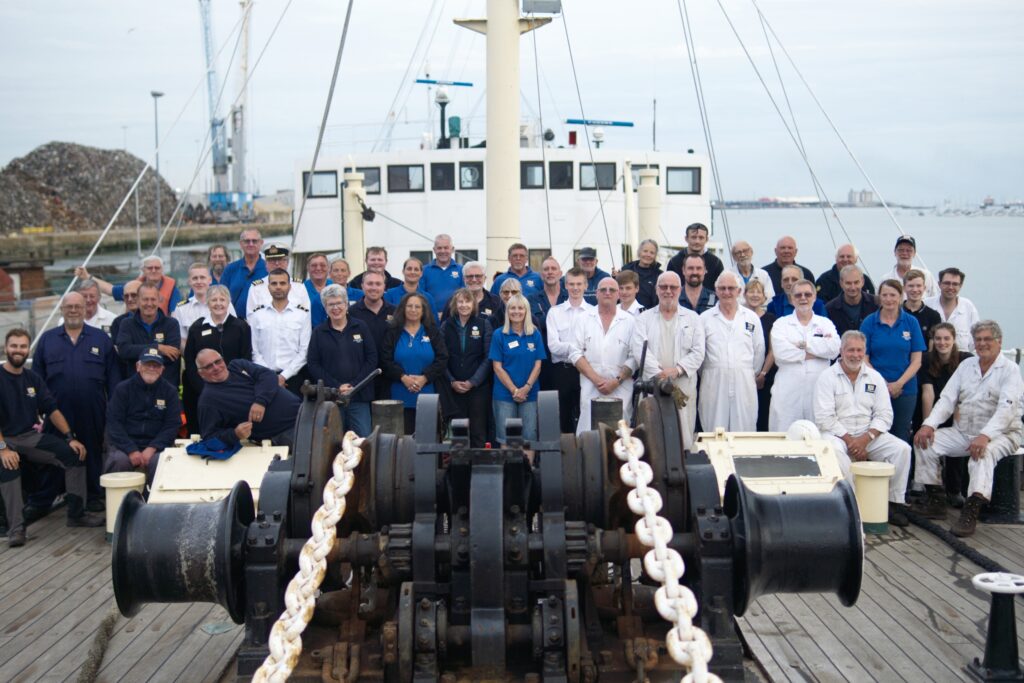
{"x":749,"y":326}
{"x":906,"y":335}
{"x":487,"y":311}
{"x":159,"y":336}
{"x":95,"y":351}
{"x":425,"y":338}
{"x":389,"y":317}
{"x":357,"y":338}
{"x":206,"y":332}
{"x":513,"y":345}
{"x":161,"y":404}
{"x":474,"y":331}
{"x":870,"y":388}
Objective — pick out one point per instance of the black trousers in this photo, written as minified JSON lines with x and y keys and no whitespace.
{"x":475,"y":404}
{"x":566,"y":380}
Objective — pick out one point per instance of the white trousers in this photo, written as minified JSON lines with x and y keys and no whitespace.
{"x":589,"y":392}
{"x":728,"y":398}
{"x":953,"y":443}
{"x":884,"y":448}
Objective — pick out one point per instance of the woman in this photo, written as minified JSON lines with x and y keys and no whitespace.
{"x":894,"y":348}
{"x":756,"y":301}
{"x":415,"y":356}
{"x":938,"y":365}
{"x":341,"y":354}
{"x":647,"y":269}
{"x":339,"y":274}
{"x":412,"y":273}
{"x":517,"y":350}
{"x":467,"y":335}
{"x":220,"y":331}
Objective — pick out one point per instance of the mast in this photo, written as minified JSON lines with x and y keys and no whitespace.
{"x":238,"y":112}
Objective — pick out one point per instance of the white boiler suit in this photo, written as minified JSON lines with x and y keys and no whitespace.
{"x":733,"y":355}
{"x":842,"y":407}
{"x":793,"y":392}
{"x":608,"y":353}
{"x":988,"y":404}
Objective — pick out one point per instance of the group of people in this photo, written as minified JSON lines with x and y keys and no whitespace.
{"x":744,"y":348}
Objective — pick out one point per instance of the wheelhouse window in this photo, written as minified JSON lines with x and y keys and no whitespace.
{"x":636,"y":174}
{"x":471,"y":175}
{"x":536,"y":258}
{"x":442,"y":177}
{"x":599,"y":176}
{"x":405,"y":178}
{"x":531,"y":175}
{"x":371,"y":179}
{"x":325,"y":184}
{"x":560,"y":175}
{"x":682,"y":180}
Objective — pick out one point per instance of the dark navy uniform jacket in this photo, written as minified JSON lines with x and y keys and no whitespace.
{"x":467,"y":349}
{"x":713,"y":267}
{"x":540,"y":304}
{"x":23,"y":398}
{"x":647,"y":294}
{"x":706,"y":300}
{"x":225,"y":405}
{"x":141,"y":415}
{"x":134,"y":336}
{"x":344,"y":357}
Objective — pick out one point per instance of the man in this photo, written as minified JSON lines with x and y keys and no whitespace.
{"x":317,"y":270}
{"x":95,"y":315}
{"x":561,"y":322}
{"x":588,"y":264}
{"x":339,"y":275}
{"x":629,"y":286}
{"x":412,"y":281}
{"x":926,"y":316}
{"x":187,"y":312}
{"x":442,"y":276}
{"x":78,"y":364}
{"x":675,"y":347}
{"x":376,"y":313}
{"x":276,"y":257}
{"x":131,"y":304}
{"x":954,"y":309}
{"x":804,"y":345}
{"x":148,"y":326}
{"x":376,"y":262}
{"x":696,"y":244}
{"x":601,"y":351}
{"x":782,"y":304}
{"x":217,"y":261}
{"x":785,"y":255}
{"x":733,"y":356}
{"x":281,"y":332}
{"x":743,"y":265}
{"x":487,"y":304}
{"x":984,"y":397}
{"x":244,"y":400}
{"x":905,"y":251}
{"x":238,"y":275}
{"x":695,"y":296}
{"x":518,"y":256}
{"x":553,"y":292}
{"x":829,"y":285}
{"x":143,"y":417}
{"x":853,"y":412}
{"x":152,"y":273}
{"x":848,"y":310}
{"x":23,"y":398}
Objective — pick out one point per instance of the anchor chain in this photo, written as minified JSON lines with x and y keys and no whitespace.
{"x":687,"y":644}
{"x":285,"y":641}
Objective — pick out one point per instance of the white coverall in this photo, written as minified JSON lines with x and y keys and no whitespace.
{"x":733,"y":355}
{"x":842,"y":407}
{"x":989,"y":405}
{"x":793,"y":392}
{"x":688,"y":354}
{"x":608,"y":353}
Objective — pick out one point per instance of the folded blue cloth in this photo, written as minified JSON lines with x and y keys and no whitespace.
{"x":213,"y":448}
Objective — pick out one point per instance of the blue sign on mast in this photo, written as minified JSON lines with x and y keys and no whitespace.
{"x":431,"y":81}
{"x":599,"y":122}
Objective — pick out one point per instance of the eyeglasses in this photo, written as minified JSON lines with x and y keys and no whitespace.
{"x":728,"y":289}
{"x":130,"y":296}
{"x":802,"y":295}
{"x":668,"y":288}
{"x":337,"y":304}
{"x":479,"y":276}
{"x":211,"y":364}
{"x":250,"y":241}
{"x":608,"y":290}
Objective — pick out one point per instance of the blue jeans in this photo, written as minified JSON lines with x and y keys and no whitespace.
{"x":357,"y":418}
{"x":902,"y":414}
{"x":526,"y":411}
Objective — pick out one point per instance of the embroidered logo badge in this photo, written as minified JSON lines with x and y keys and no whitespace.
{"x":870,"y":388}
{"x":161,"y":404}
{"x":749,"y":326}
{"x":455,"y":275}
{"x":159,"y":336}
{"x":426,"y":338}
{"x":357,"y":338}
{"x":95,"y":350}
{"x":906,"y":335}
{"x":529,"y":346}
{"x":31,"y":392}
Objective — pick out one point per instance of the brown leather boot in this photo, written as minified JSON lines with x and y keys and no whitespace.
{"x":968,"y":521}
{"x":934,"y":505}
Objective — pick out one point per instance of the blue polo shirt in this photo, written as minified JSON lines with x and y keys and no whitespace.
{"x":530,"y":281}
{"x":414,"y":354}
{"x":440,"y":282}
{"x":237,"y":278}
{"x":317,"y":313}
{"x":889,"y":348}
{"x":394,"y":296}
{"x":780,"y":306}
{"x":517,"y":355}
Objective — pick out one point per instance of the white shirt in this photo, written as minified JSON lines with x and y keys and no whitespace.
{"x":843,"y":407}
{"x":819,"y":336}
{"x":733,"y":344}
{"x":962,"y":318}
{"x":102,"y":320}
{"x":688,"y":352}
{"x":931,"y":288}
{"x":759,"y":274}
{"x":560,"y":322}
{"x":988,"y":404}
{"x":191,"y":311}
{"x":280,"y":339}
{"x":607,"y":352}
{"x":259,"y":295}
{"x":634,"y":309}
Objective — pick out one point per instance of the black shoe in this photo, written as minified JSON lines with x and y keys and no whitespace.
{"x":898,"y":515}
{"x":16,"y":540}
{"x":3,"y":525}
{"x":31,"y":513}
{"x":96,"y":505}
{"x":955,"y":500}
{"x":934,"y":506}
{"x":60,"y":501}
{"x":88,"y":519}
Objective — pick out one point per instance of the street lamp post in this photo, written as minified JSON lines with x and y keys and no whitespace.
{"x":156,"y":138}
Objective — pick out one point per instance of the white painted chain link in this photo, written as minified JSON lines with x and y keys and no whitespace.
{"x":300,"y":597}
{"x":688,"y":645}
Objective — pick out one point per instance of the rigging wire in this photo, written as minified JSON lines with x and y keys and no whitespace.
{"x":691,"y":51}
{"x":543,"y":142}
{"x":586,"y":229}
{"x":465,"y":255}
{"x":586,"y":132}
{"x":323,"y":122}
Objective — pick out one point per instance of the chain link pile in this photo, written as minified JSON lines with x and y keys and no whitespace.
{"x":687,"y":644}
{"x":300,"y":597}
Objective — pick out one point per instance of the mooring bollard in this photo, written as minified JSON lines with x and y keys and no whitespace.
{"x":605,"y":410}
{"x":1000,"y":662}
{"x":389,"y":416}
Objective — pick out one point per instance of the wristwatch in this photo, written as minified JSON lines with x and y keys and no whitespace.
{"x":70,"y":436}
{"x":3,"y":445}
{"x":872,"y":437}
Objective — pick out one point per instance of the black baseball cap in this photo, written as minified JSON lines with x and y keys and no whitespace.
{"x":906,"y":239}
{"x":588,"y":252}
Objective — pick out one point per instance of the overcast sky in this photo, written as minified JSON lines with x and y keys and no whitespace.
{"x":927,"y":92}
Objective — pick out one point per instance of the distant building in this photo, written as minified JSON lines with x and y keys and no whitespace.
{"x":861,"y":198}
